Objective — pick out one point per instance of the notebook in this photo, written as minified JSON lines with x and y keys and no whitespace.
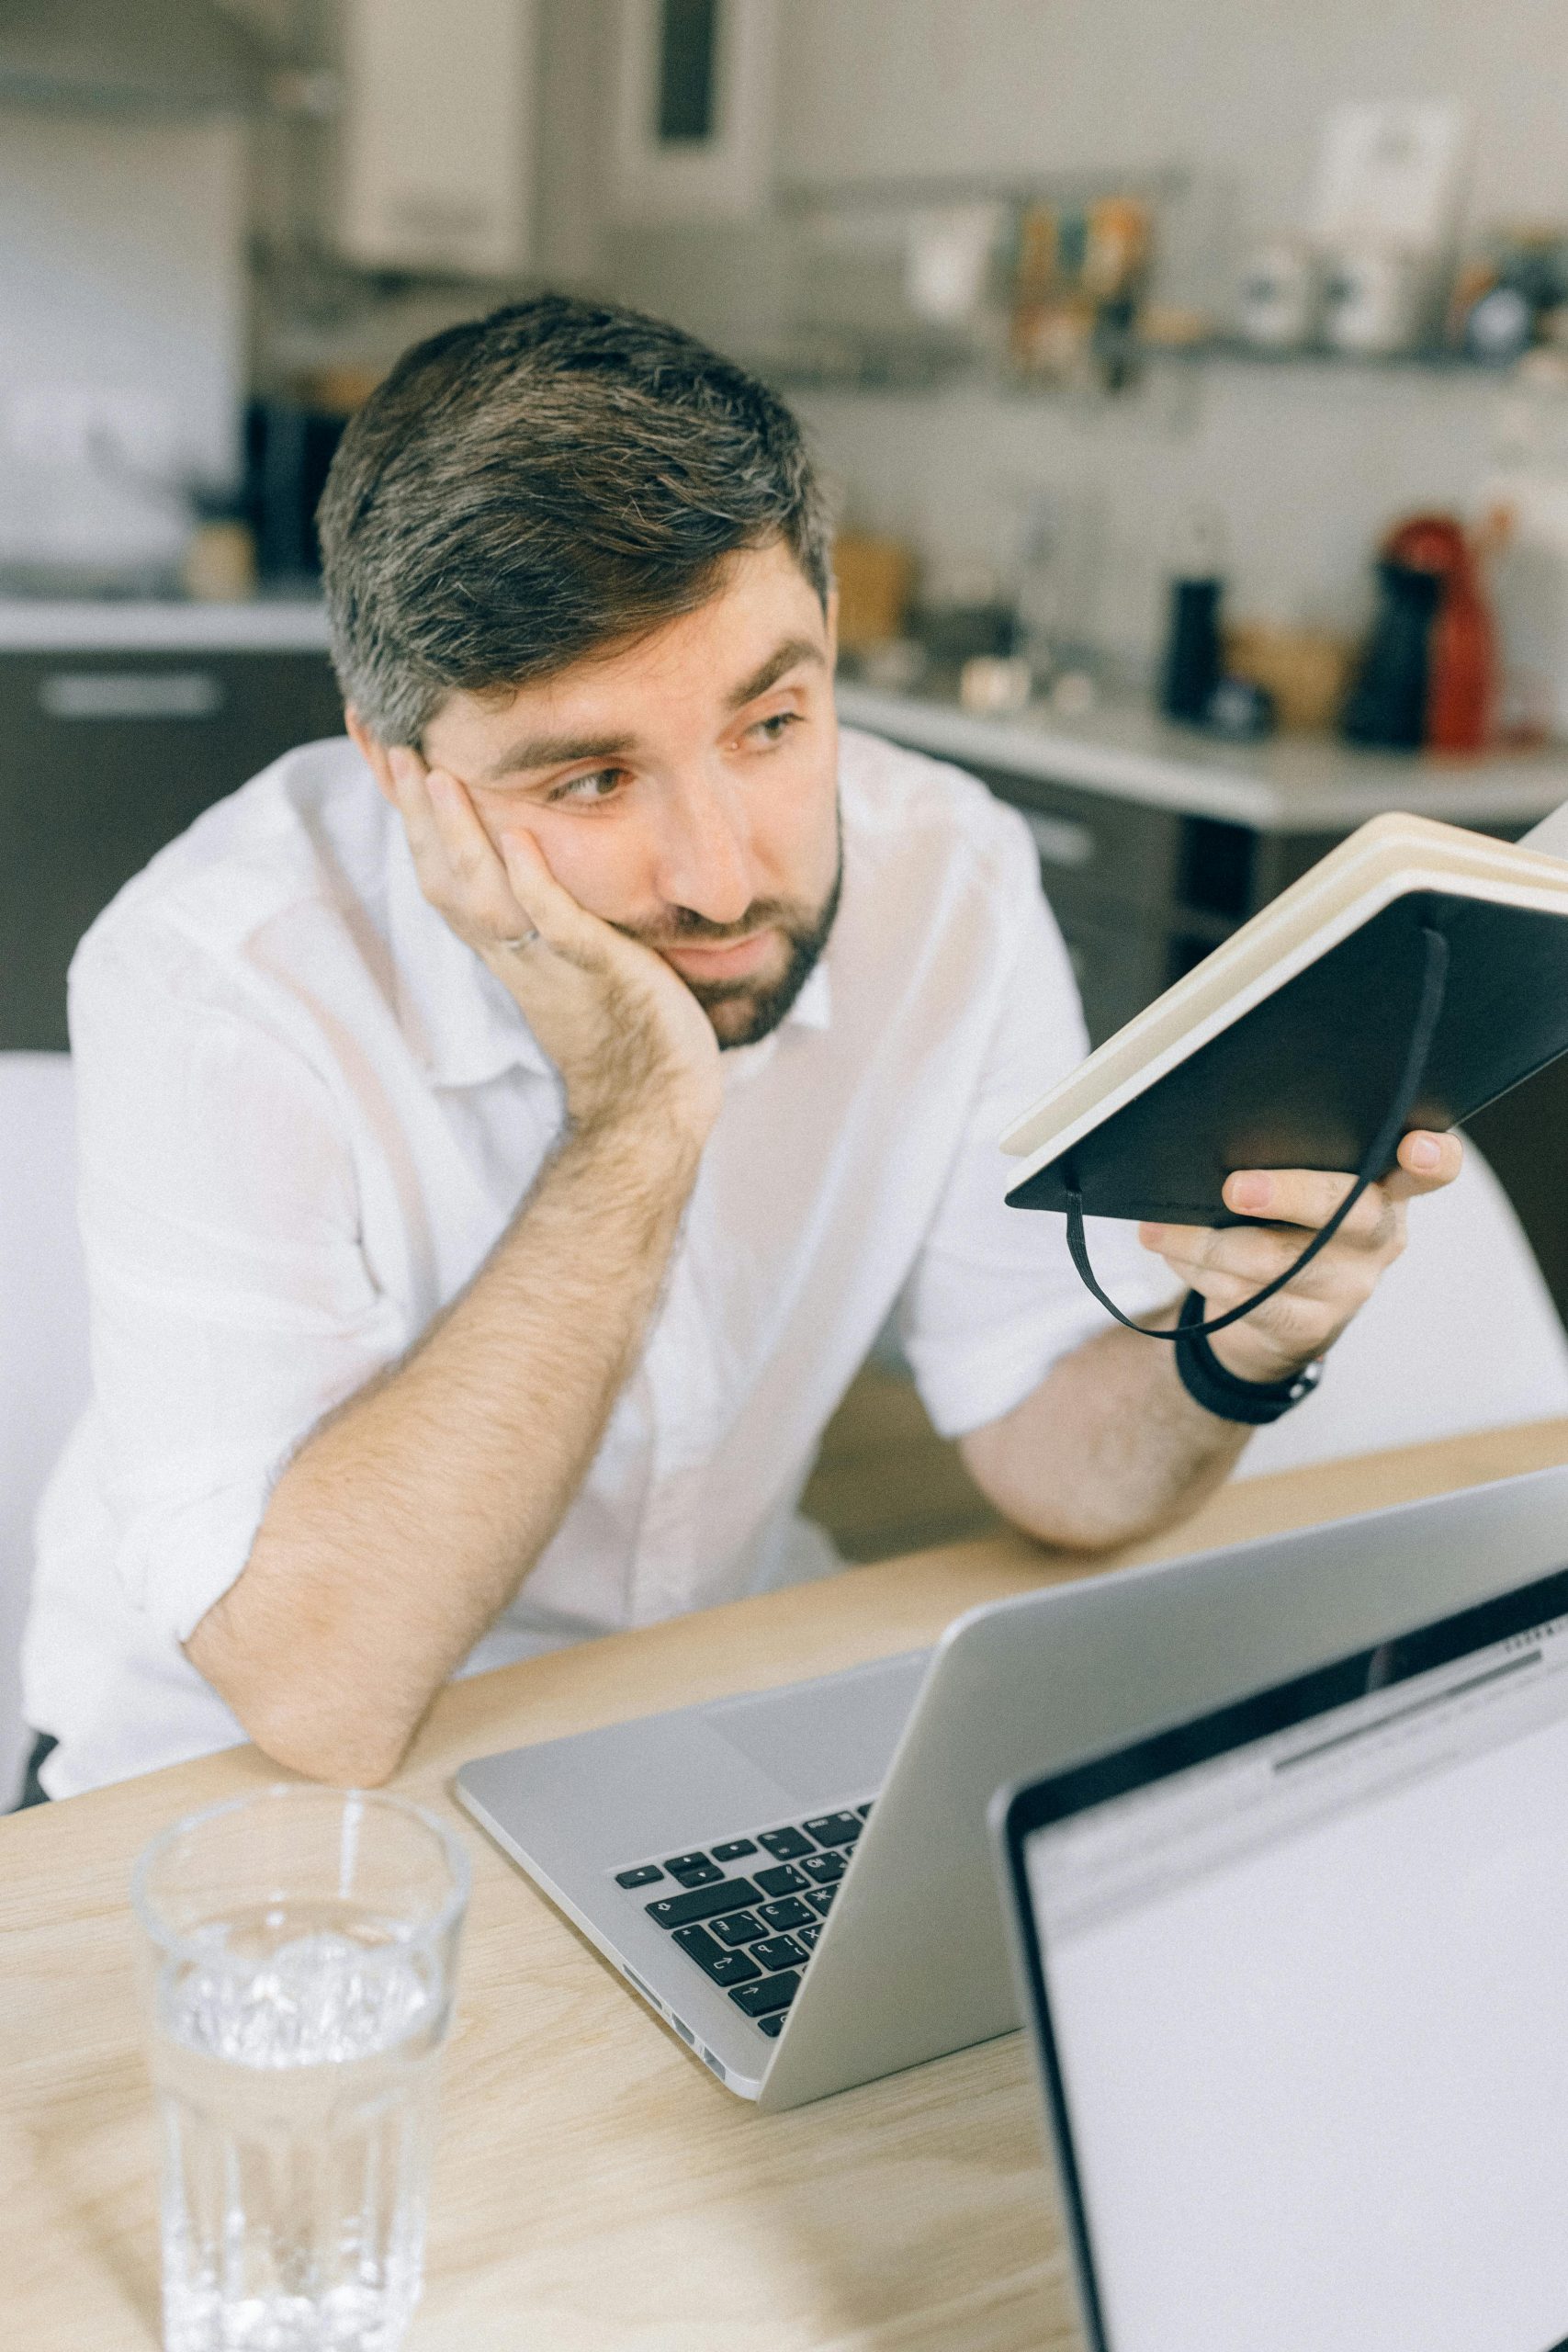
{"x":1417,"y":970}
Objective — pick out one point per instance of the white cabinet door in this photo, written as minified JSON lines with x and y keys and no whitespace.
{"x":693,"y":109}
{"x":438,"y":134}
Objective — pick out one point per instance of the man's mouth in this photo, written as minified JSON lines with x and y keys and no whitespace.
{"x":735,"y":959}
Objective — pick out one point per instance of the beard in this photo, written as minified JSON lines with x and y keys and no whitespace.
{"x":743,"y":1011}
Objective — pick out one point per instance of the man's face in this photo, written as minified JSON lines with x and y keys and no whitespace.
{"x":683,"y":787}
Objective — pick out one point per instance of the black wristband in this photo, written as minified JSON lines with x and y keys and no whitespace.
{"x":1220,"y":1392}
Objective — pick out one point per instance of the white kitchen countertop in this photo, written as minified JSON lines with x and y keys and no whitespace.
{"x":1287,"y":784}
{"x":133,"y":625}
{"x":1290,"y":783}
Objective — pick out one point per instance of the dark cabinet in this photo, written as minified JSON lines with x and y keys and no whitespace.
{"x":106,"y":757}
{"x":1141,"y":894}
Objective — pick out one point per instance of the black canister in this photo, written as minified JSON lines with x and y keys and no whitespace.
{"x":1194,"y":658}
{"x":1386,"y":707}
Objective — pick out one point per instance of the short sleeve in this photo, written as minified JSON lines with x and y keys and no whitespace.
{"x":231,"y":1301}
{"x":994,"y":1298}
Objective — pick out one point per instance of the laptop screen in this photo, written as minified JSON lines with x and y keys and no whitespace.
{"x":1302,"y":1977}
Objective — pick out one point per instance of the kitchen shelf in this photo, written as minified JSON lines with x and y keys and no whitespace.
{"x":919,"y":377}
{"x":940,"y":192}
{"x":1430,"y":361}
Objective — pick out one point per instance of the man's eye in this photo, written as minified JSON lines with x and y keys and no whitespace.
{"x":772,"y":729}
{"x":601,"y":785}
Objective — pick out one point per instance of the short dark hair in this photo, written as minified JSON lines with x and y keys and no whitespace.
{"x":530,"y":487}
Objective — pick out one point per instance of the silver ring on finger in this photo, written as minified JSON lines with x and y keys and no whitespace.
{"x":524,"y":939}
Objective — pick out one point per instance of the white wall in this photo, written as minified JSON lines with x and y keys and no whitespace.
{"x":890,"y":86}
{"x":121,"y":295}
{"x":1302,"y":465}
{"x":1306,"y":464}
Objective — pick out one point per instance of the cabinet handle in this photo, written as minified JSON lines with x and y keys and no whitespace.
{"x":1059,"y":840}
{"x":131,"y":694}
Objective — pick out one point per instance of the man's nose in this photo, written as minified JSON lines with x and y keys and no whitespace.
{"x":703,"y":854}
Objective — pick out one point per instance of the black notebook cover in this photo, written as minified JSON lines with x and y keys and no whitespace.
{"x":1306,"y":1078}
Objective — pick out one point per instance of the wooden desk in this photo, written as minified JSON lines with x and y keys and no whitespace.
{"x":595,"y":2189}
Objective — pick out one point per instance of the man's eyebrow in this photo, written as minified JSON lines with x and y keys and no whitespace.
{"x":561,"y":750}
{"x":556,"y":751}
{"x":794,"y":650}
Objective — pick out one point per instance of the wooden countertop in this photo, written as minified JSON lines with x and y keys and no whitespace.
{"x":595,"y":2190}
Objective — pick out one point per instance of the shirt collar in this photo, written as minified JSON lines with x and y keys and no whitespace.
{"x":463,"y":1024}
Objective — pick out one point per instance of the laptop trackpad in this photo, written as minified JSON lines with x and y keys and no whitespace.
{"x":818,"y":1740}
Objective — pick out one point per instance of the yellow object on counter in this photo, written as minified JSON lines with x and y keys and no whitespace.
{"x":876,"y":581}
{"x":1305,"y":670}
{"x":219,"y":563}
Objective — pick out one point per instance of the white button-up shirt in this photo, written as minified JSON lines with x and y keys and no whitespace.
{"x":306,"y":1112}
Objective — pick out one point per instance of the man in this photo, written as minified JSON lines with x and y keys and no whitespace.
{"x":503,"y":1135}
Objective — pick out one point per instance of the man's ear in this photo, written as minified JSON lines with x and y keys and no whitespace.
{"x":373,"y":752}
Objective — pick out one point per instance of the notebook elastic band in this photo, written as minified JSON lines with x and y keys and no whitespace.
{"x":1379,"y":1156}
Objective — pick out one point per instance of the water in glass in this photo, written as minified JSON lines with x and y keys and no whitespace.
{"x":296,"y":2108}
{"x":295,"y":2044}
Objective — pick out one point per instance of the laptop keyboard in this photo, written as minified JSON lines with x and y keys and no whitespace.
{"x":749,"y":1910}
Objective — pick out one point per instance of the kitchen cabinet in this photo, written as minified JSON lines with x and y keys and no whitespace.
{"x":108,"y":754}
{"x":436,"y":141}
{"x":1112,"y":872}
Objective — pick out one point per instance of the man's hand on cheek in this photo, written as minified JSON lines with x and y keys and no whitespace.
{"x":624,"y":1030}
{"x":1227,"y":1264}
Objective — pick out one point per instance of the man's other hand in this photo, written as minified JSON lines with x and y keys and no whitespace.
{"x":1227,"y":1265}
{"x":626,"y":1034}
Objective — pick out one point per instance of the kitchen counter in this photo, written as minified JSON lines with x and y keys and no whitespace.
{"x":133,"y":625}
{"x":124,"y":718}
{"x":1290,"y":783}
{"x":1287,"y":784}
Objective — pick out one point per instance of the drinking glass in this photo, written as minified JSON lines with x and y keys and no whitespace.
{"x":301,"y":1947}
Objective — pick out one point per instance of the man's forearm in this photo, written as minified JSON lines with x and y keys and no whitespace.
{"x":1108,"y":1448}
{"x":410,"y":1515}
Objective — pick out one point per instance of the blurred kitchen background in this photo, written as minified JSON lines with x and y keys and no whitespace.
{"x":1192,"y":378}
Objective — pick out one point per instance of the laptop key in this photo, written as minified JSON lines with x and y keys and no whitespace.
{"x":808,"y":1935}
{"x":826,"y":1869}
{"x":704,"y":1903}
{"x":739,"y":1929}
{"x":779,"y":1951}
{"x":791,"y":1913}
{"x":643,"y":1876}
{"x":773,"y":2027}
{"x":724,"y":1967}
{"x":697,"y":1873}
{"x":784,"y":1880}
{"x":732,"y":1852}
{"x":783,"y":1844}
{"x":772,"y":1993}
{"x":865,"y":1810}
{"x":823,"y":1899}
{"x":674,"y":1863}
{"x":836,"y":1829}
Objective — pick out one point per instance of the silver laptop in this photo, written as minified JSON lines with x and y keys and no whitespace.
{"x":1299,"y":1973}
{"x":800,"y":1882}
